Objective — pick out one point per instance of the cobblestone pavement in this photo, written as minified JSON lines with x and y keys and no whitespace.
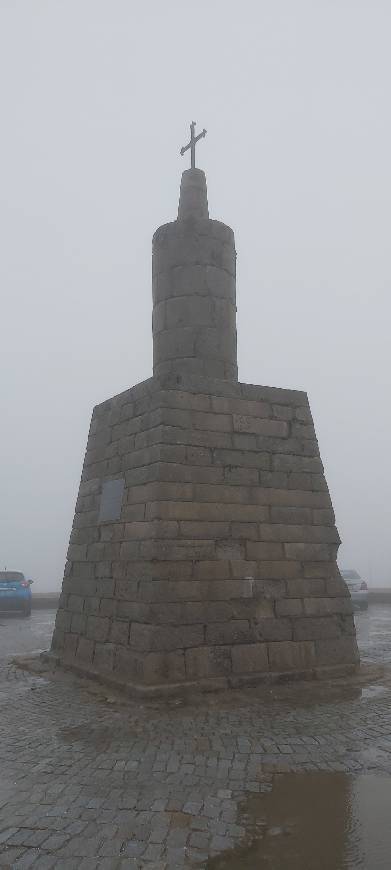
{"x":90,"y":779}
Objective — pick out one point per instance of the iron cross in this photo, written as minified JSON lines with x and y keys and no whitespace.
{"x":192,"y":143}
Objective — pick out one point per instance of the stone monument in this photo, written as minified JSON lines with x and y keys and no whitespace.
{"x":203,"y":548}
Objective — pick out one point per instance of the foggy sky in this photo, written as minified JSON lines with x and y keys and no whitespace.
{"x":96,"y":97}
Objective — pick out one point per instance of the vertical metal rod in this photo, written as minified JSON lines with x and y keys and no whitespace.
{"x":192,"y":144}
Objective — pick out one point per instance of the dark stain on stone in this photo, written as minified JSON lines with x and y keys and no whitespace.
{"x":97,"y":737}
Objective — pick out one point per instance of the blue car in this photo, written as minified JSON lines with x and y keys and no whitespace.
{"x":15,"y":592}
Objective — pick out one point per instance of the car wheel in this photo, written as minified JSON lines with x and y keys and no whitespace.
{"x":27,"y":610}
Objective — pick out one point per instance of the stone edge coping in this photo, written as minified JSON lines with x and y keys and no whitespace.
{"x":206,"y":386}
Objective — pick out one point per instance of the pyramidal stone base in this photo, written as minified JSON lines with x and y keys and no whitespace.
{"x":203,"y":549}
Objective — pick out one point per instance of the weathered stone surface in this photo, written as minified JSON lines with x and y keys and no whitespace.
{"x":325,"y":606}
{"x":103,"y":660}
{"x":246,"y":458}
{"x":98,"y":628}
{"x":270,"y":589}
{"x":119,"y":631}
{"x":289,"y":607}
{"x":208,"y":661}
{"x":309,"y":552}
{"x":195,"y":590}
{"x":250,"y":658}
{"x":264,"y":551}
{"x":246,"y":531}
{"x":336,"y":651}
{"x":204,"y":612}
{"x":63,"y":622}
{"x":336,"y":586}
{"x":78,"y":623}
{"x":236,"y":631}
{"x":277,"y":570}
{"x":84,"y":651}
{"x":76,"y":603}
{"x":284,"y":462}
{"x":204,"y":530}
{"x":161,"y":667}
{"x":299,"y":587}
{"x":156,"y":637}
{"x":294,"y":515}
{"x":298,"y":534}
{"x":292,"y":656}
{"x":264,"y":606}
{"x":92,"y":605}
{"x":206,"y":511}
{"x":260,"y":426}
{"x":316,"y":628}
{"x":291,"y":497}
{"x":273,"y":629}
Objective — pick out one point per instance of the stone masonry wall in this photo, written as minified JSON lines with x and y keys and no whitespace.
{"x":194,"y":299}
{"x":221,"y":566}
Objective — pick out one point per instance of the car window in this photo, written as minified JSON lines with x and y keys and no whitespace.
{"x":11,"y":575}
{"x":350,"y":575}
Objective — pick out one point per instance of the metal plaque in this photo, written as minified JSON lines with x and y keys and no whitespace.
{"x":111,"y":500}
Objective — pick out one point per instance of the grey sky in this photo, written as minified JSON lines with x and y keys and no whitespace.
{"x":96,"y":97}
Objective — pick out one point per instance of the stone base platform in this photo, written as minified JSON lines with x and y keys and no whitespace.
{"x":209,"y":684}
{"x":203,"y":549}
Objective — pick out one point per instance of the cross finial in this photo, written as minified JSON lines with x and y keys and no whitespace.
{"x":192,"y":143}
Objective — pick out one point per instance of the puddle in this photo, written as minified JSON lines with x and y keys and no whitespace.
{"x":317,"y":821}
{"x":372,"y":692}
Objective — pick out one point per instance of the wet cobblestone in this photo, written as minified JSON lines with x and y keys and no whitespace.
{"x":92,"y":781}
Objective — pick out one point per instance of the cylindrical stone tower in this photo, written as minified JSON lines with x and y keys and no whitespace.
{"x":194,"y":289}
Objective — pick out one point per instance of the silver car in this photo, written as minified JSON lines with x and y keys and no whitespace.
{"x":357,"y":587}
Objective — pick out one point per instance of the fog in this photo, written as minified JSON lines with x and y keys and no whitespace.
{"x":96,"y":99}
